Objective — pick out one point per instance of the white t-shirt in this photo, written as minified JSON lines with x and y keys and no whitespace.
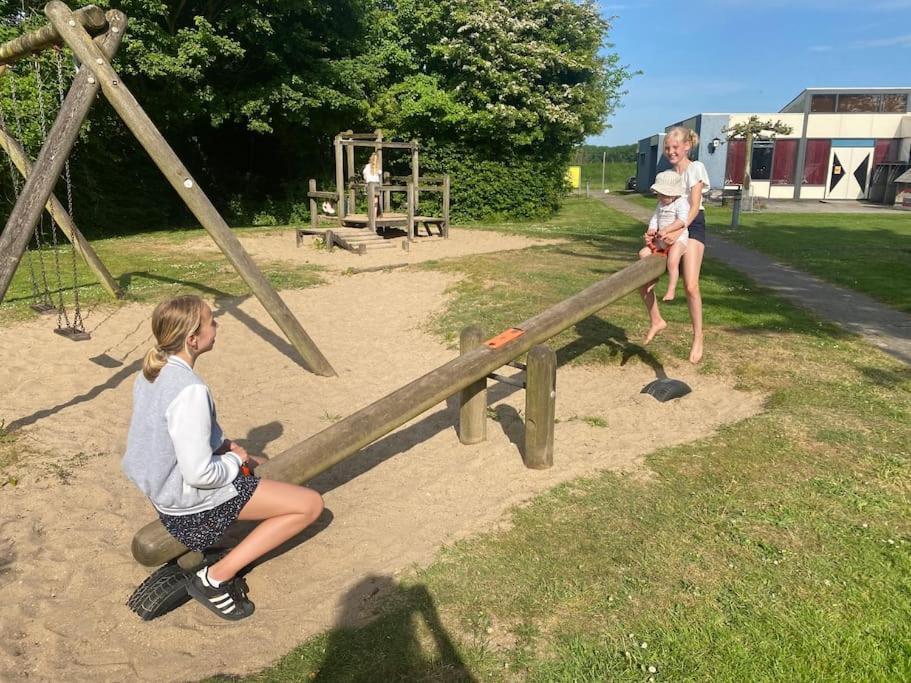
{"x":369,"y":175}
{"x":693,"y":174}
{"x":665,"y":215}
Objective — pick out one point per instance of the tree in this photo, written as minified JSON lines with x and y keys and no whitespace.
{"x":752,"y":129}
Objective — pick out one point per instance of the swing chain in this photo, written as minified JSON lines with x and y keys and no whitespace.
{"x":78,"y":324}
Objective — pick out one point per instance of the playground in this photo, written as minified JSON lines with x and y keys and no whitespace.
{"x":74,"y":415}
{"x":503,"y":499}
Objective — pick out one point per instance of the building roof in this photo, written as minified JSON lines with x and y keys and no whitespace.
{"x":839,"y":90}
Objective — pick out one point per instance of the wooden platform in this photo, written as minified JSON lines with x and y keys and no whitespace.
{"x":353,"y":234}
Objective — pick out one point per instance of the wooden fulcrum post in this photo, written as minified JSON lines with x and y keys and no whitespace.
{"x":473,"y":398}
{"x":540,"y":401}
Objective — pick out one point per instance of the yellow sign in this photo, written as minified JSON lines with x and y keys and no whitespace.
{"x":574,"y":177}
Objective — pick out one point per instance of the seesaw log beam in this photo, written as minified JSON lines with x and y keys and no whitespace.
{"x":153,"y":545}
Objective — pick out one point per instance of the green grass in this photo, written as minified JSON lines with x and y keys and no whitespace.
{"x":775,"y":549}
{"x":870,"y":253}
{"x":615,"y":175}
{"x":148,"y":267}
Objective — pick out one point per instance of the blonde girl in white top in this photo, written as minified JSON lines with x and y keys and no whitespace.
{"x":678,"y":143}
{"x":371,"y":173}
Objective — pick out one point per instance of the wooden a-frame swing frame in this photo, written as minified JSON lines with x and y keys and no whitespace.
{"x":76,"y":29}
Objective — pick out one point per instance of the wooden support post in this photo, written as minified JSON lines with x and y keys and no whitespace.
{"x":352,"y":179}
{"x":196,"y":200}
{"x":386,"y":206}
{"x":371,"y":206}
{"x":409,"y":200}
{"x":54,"y":153}
{"x":379,"y":165}
{"x":64,"y":220}
{"x":340,"y":178}
{"x":153,"y":546}
{"x":540,"y":401}
{"x":416,"y":176}
{"x":473,"y":398}
{"x":445,"y":226}
{"x":314,"y":209}
{"x":90,"y":16}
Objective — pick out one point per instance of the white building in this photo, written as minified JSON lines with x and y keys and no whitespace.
{"x":839,"y":136}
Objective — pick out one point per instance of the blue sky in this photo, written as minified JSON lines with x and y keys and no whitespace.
{"x":741,"y":55}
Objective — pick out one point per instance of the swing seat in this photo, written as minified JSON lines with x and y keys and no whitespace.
{"x":73,"y":334}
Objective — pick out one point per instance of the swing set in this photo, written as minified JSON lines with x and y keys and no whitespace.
{"x":94,"y":36}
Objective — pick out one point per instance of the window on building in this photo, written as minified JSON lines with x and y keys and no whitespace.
{"x":885,"y":150}
{"x":895,"y":103}
{"x":858,"y":103}
{"x":784,"y":162}
{"x":822,"y":103}
{"x":816,"y":163}
{"x":733,"y":173}
{"x":761,"y":163}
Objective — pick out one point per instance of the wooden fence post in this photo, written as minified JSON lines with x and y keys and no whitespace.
{"x":371,"y":206}
{"x":314,"y":222}
{"x":446,"y":206}
{"x":473,"y":398}
{"x":409,"y":200}
{"x":540,"y":401}
{"x":340,"y":178}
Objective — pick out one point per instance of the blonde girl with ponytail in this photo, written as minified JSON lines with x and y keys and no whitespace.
{"x":198,"y":480}
{"x":678,"y":145}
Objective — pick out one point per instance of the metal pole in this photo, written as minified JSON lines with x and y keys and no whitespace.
{"x":603,"y":164}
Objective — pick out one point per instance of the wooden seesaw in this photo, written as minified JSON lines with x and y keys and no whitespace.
{"x":467,"y":375}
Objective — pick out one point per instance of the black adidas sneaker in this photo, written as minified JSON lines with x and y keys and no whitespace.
{"x":229,"y":600}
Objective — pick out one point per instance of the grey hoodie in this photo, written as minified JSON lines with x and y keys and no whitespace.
{"x":171,"y":443}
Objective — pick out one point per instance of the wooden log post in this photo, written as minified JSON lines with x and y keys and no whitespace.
{"x":91,"y":17}
{"x":153,"y":546}
{"x":540,"y":403}
{"x":174,"y":171}
{"x":409,"y":200}
{"x":53,"y":155}
{"x":446,"y":206}
{"x":371,"y":206}
{"x":386,"y":206}
{"x":416,"y":175}
{"x":64,"y":220}
{"x":473,"y":398}
{"x":340,"y":178}
{"x":314,"y":209}
{"x":352,"y":179}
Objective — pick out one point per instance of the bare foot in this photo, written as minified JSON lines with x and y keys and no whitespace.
{"x":669,"y":296}
{"x":696,"y":351}
{"x":654,"y":330}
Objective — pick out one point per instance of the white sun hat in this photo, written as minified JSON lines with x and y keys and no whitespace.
{"x":670,"y":184}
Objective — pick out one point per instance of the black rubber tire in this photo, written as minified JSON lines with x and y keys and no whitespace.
{"x":164,"y":590}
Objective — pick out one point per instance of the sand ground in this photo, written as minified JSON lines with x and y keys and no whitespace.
{"x":66,"y":526}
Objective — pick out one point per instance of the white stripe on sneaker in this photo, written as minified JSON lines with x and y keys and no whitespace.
{"x":219,"y":597}
{"x":225,"y":603}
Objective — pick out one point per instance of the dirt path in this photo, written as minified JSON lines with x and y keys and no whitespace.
{"x":65,"y":566}
{"x":884,"y":327}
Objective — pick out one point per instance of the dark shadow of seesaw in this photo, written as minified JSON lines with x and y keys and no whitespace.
{"x":593,"y":332}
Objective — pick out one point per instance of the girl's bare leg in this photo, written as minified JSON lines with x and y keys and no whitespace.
{"x":657,"y":323}
{"x":674,"y":254}
{"x":285,"y":509}
{"x":692,"y":265}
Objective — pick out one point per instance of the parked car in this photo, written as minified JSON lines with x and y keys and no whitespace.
{"x":632,"y":184}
